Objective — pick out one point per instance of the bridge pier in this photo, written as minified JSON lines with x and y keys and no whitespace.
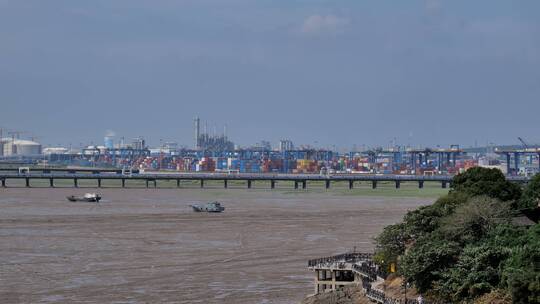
{"x":327,"y":184}
{"x":75,"y":183}
{"x":51,"y":182}
{"x":295,"y":185}
{"x":398,"y":184}
{"x":351,"y":184}
{"x":304,"y":184}
{"x":421,"y":184}
{"x":249,"y":184}
{"x":202,"y":183}
{"x":225,"y":183}
{"x":123,"y":182}
{"x":272,"y":184}
{"x":374,"y":185}
{"x":443,"y":184}
{"x":27,"y":182}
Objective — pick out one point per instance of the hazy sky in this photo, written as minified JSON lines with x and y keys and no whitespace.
{"x":317,"y":72}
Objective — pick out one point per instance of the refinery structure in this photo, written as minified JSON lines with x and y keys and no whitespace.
{"x":217,"y":153}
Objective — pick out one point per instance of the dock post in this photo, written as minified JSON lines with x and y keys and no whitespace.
{"x":249,"y":184}
{"x":327,"y":184}
{"x":351,"y":184}
{"x":146,"y":183}
{"x":421,"y":184}
{"x":27,"y":182}
{"x":99,"y":182}
{"x":295,"y":185}
{"x":398,"y":184}
{"x":272,"y":184}
{"x":304,"y":184}
{"x":443,"y":184}
{"x":202,"y":183}
{"x":3,"y":182}
{"x":155,"y":183}
{"x":51,"y":182}
{"x":225,"y":184}
{"x":177,"y":183}
{"x":123,"y":182}
{"x":75,"y":183}
{"x":374,"y":185}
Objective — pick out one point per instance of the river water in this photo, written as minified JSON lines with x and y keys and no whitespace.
{"x":147,"y":246}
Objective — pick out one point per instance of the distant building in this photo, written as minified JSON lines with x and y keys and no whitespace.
{"x":55,"y":150}
{"x":285,"y":145}
{"x":139,"y":143}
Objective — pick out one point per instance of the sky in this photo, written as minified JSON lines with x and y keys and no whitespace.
{"x":322,"y":73}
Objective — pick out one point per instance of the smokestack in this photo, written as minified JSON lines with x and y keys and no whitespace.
{"x":197,"y":132}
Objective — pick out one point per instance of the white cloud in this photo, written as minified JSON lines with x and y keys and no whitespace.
{"x":316,"y":24}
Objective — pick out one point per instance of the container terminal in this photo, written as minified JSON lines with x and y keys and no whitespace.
{"x":217,"y":153}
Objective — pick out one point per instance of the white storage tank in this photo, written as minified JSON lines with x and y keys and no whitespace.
{"x":20,"y":147}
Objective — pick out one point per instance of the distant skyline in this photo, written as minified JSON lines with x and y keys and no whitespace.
{"x":317,"y":72}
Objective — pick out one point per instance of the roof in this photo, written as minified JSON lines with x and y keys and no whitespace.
{"x":20,"y":141}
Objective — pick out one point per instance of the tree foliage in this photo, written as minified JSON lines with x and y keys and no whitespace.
{"x":465,"y":244}
{"x":489,"y":182}
{"x":531,"y":194}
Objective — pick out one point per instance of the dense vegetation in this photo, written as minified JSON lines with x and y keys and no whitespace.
{"x":466,"y":244}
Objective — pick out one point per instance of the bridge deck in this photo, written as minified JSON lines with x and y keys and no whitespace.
{"x":249,"y":178}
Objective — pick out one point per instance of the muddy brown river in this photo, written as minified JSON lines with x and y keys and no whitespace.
{"x":147,"y":246}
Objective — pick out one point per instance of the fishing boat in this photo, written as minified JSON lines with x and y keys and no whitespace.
{"x":210,"y":207}
{"x":88,"y":197}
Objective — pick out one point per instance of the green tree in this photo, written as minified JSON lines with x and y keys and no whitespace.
{"x":390,"y":244}
{"x":426,"y":219}
{"x":472,"y":221}
{"x":484,"y":181}
{"x":426,"y":262}
{"x":531,"y":194}
{"x":476,"y":272}
{"x":521,"y":271}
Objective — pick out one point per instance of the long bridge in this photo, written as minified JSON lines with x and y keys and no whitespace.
{"x":299,"y":180}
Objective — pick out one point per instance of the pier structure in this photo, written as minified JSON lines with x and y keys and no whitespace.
{"x":335,"y":272}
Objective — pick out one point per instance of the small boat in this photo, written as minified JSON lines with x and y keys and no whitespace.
{"x":210,"y":207}
{"x":88,"y":197}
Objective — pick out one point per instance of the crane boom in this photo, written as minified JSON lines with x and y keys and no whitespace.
{"x":523,"y":142}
